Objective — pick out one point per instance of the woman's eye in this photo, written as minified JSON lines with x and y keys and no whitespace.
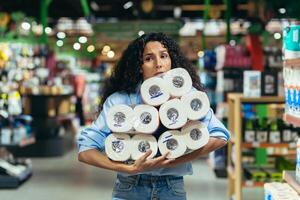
{"x":164,"y":56}
{"x":147,"y":59}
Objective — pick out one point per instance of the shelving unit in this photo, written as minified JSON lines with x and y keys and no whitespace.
{"x":235,"y":180}
{"x":48,"y":112}
{"x":8,"y":181}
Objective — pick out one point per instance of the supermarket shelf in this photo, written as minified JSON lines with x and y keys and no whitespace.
{"x":292,"y":119}
{"x":292,"y":62}
{"x":263,"y":99}
{"x":23,"y":143}
{"x":290,"y":178}
{"x":235,"y":102}
{"x":290,"y":153}
{"x":264,"y":145}
{"x":250,"y":183}
{"x":7,"y":181}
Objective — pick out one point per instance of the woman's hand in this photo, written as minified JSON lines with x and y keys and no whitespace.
{"x":143,"y":163}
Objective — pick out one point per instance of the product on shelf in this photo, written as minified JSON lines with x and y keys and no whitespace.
{"x":274,"y":135}
{"x":249,"y":131}
{"x":262,"y":132}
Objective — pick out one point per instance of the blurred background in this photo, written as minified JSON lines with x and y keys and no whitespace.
{"x":56,"y":54}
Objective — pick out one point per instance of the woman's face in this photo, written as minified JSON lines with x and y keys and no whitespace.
{"x":156,"y":59}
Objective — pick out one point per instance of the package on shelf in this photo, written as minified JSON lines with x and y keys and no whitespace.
{"x":273,"y":57}
{"x":291,"y":40}
{"x":15,"y":129}
{"x":292,"y":90}
{"x":232,"y":56}
{"x":279,"y":191}
{"x":268,"y":130}
{"x":80,"y":26}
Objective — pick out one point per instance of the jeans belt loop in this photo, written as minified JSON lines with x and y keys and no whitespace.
{"x":137,"y":179}
{"x":168,"y":182}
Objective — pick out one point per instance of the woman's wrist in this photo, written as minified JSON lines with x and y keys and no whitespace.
{"x":125,"y":168}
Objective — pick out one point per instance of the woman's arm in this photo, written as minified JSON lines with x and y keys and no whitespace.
{"x":98,"y":159}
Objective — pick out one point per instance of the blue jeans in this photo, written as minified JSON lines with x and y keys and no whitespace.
{"x":147,"y":187}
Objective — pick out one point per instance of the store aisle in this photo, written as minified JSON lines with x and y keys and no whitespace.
{"x":64,"y":178}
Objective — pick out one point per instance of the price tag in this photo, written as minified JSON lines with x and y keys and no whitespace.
{"x":255,"y":144}
{"x":292,"y":145}
{"x":249,"y":183}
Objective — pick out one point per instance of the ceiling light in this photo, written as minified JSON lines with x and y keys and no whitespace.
{"x":232,"y":42}
{"x":59,"y":43}
{"x":282,"y":10}
{"x":277,"y":36}
{"x":61,"y":35}
{"x":82,"y":39}
{"x":200,"y":54}
{"x":90,"y":48}
{"x":177,"y":12}
{"x":95,"y":6}
{"x":106,"y":48}
{"x":76,"y":46}
{"x":128,"y":5}
{"x":110,"y":54}
{"x":48,"y":30}
{"x":26,"y":26}
{"x":141,"y":33}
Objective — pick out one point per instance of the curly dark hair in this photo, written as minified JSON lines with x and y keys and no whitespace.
{"x":127,"y":75}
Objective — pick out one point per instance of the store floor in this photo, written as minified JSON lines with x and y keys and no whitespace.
{"x":64,"y":178}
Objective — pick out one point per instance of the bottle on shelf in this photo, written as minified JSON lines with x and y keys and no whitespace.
{"x":285,"y":131}
{"x":249,"y":131}
{"x":262,"y":132}
{"x":274,"y":135}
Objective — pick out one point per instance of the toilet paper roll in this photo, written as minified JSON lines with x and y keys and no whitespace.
{"x":141,"y":143}
{"x":118,"y":146}
{"x":196,"y":104}
{"x":120,"y":118}
{"x":146,"y":119}
{"x":172,"y":141}
{"x":173,"y":114}
{"x":195,"y":134}
{"x":179,"y":82}
{"x":154,"y":91}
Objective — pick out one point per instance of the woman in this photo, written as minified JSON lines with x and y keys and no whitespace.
{"x":157,"y":178}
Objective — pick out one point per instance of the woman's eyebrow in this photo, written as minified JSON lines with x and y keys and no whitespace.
{"x":148,"y":54}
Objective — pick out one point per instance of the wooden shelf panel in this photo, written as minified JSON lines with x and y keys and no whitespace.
{"x":292,"y":119}
{"x":292,"y":62}
{"x":262,"y":99}
{"x":290,"y":178}
{"x":230,"y":171}
{"x":264,"y":145}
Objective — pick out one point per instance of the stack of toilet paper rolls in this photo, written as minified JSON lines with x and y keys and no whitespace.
{"x":168,"y":99}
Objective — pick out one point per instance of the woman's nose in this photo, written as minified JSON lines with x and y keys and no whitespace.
{"x":158,"y":63}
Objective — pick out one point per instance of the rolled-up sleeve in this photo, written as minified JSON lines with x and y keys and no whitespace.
{"x":94,"y":136}
{"x":215,"y":127}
